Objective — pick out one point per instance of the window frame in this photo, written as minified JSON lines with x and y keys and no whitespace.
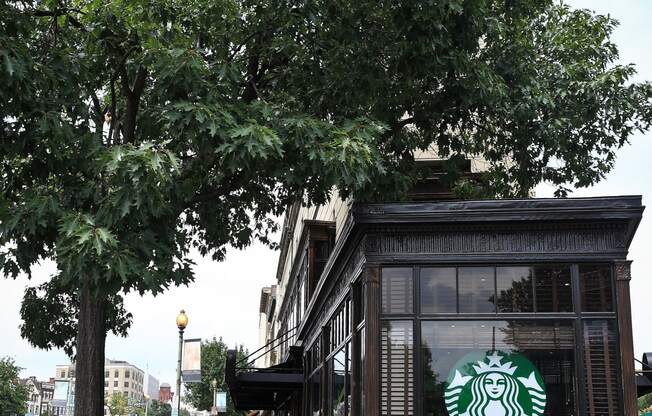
{"x":576,"y":315}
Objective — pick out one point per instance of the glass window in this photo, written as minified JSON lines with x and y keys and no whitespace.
{"x":476,"y":289}
{"x":127,"y":374}
{"x":481,"y":356}
{"x":596,"y":288}
{"x":514,"y":289}
{"x":553,"y":289}
{"x":438,"y":290}
{"x":338,"y":385}
{"x":397,"y":290}
{"x":116,"y":373}
{"x":126,"y":384}
{"x":396,"y":368}
{"x":362,"y":373}
{"x":315,"y":391}
{"x":115,"y":383}
{"x":106,"y":374}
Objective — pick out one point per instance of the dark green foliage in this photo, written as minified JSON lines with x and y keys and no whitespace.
{"x":56,"y":311}
{"x":13,"y":394}
{"x":213,"y":363}
{"x":159,"y":409}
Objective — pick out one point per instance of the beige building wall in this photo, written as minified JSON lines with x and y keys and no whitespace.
{"x":120,"y":377}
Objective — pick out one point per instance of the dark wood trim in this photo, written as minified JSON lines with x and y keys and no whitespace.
{"x":371,"y":282}
{"x":624,"y":312}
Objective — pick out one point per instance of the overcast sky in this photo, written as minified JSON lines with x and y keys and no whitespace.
{"x":224,"y":299}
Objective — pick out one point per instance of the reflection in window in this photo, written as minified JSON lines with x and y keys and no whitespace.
{"x":397,"y":290}
{"x":476,"y":289}
{"x":553,"y":289}
{"x":338,"y":390}
{"x":548,"y":345}
{"x":514,"y":287}
{"x":438,"y":290}
{"x":596,"y":288}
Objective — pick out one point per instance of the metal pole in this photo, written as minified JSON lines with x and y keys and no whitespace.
{"x":179,"y":373}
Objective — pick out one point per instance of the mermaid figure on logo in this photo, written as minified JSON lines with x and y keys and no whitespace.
{"x":494,"y":394}
{"x":498,"y":384}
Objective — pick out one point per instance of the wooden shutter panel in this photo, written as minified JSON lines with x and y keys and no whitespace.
{"x":397,"y":369}
{"x":601,"y":364}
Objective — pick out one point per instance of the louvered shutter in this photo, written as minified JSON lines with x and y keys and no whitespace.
{"x":601,"y":363}
{"x":397,"y":291}
{"x":397,"y":369}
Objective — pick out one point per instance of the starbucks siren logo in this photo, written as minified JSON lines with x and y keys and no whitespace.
{"x":495,"y":384}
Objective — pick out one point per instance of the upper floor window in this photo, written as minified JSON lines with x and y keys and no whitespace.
{"x":321,"y":241}
{"x":127,"y":374}
{"x":546,"y":288}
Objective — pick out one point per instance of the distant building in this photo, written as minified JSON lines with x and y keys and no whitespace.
{"x":40,"y":396}
{"x":120,"y":377}
{"x":266,"y":331}
{"x":151,"y":387}
{"x":165,"y":394}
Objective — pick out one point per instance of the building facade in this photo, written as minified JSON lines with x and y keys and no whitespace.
{"x":453,"y":308}
{"x":120,"y":377}
{"x":40,"y":396}
{"x":165,"y":394}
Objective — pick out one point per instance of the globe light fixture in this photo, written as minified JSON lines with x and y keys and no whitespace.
{"x":182,"y":320}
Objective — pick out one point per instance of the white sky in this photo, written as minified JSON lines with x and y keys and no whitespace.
{"x":224,"y":299}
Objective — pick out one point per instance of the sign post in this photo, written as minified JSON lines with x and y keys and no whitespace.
{"x":191,"y":367}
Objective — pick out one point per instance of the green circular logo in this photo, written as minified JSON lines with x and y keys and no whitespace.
{"x":495,"y":383}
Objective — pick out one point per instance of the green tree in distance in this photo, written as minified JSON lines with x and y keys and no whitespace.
{"x":213,"y":363}
{"x":13,"y":394}
{"x":118,"y":405}
{"x":159,"y":409}
{"x":133,"y":131}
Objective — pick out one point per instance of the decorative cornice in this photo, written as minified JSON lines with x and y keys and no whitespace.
{"x":453,"y":240}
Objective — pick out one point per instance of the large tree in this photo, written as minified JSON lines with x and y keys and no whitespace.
{"x":213,"y":364}
{"x":134,"y":130}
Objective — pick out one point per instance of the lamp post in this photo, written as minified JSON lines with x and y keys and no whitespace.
{"x":182,"y":322}
{"x":214,"y":384}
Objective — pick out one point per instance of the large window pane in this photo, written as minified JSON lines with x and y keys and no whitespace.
{"x":601,"y":363}
{"x":438,"y":290}
{"x":338,"y":391}
{"x":546,"y":348}
{"x":397,"y":368}
{"x":315,"y":394}
{"x":476,"y":289}
{"x":596,"y":288}
{"x":553,"y":289}
{"x":397,"y":290}
{"x":514,"y":286}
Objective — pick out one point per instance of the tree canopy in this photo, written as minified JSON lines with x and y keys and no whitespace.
{"x":133,"y":131}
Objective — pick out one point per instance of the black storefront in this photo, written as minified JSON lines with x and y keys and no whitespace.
{"x":460,"y":308}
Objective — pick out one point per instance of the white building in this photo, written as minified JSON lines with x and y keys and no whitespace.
{"x":40,"y":396}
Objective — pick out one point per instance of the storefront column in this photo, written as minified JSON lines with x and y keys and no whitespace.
{"x":372,"y":342}
{"x":623,"y":276}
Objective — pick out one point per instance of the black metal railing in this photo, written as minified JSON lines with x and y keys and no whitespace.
{"x":247,"y":363}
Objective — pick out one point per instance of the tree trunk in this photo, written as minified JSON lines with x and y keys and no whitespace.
{"x":89,"y":362}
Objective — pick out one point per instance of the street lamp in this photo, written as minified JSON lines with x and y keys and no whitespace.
{"x":182,"y":322}
{"x":214,"y":383}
